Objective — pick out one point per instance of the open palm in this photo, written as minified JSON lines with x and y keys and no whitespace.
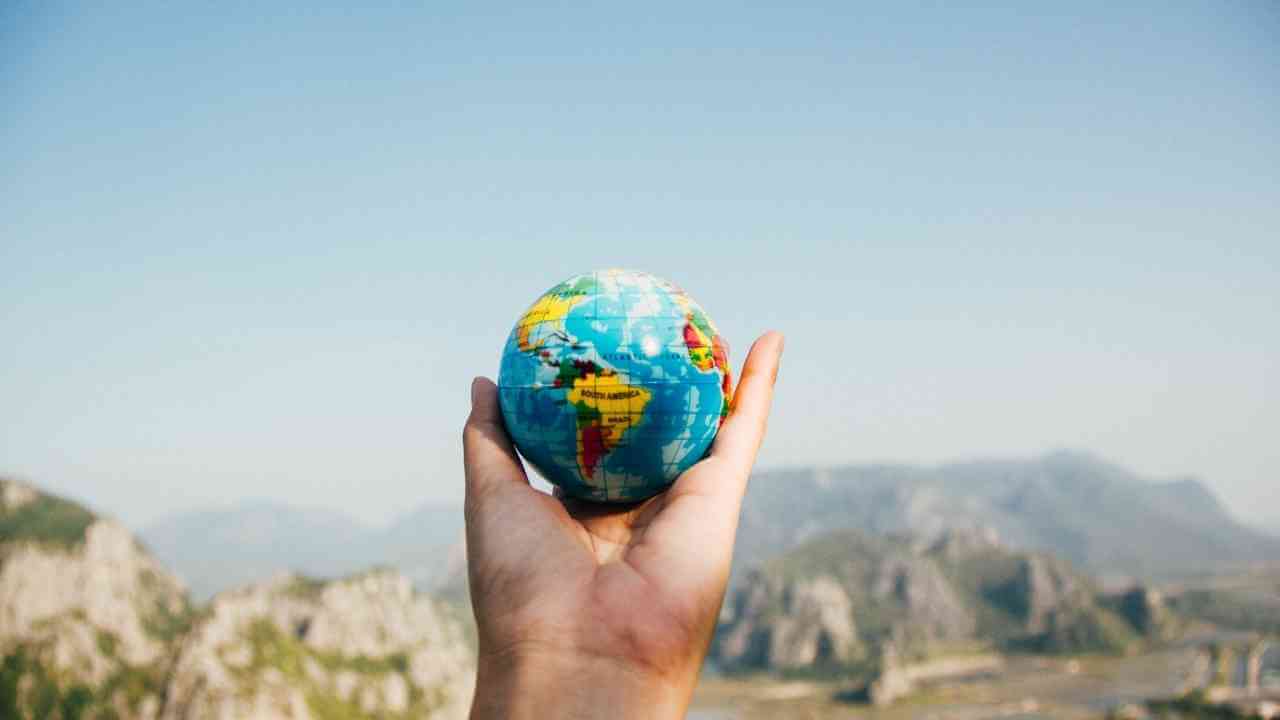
{"x":634,"y":589}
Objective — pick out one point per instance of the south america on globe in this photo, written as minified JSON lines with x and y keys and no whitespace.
{"x":613,"y":383}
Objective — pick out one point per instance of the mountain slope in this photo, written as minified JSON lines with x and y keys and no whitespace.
{"x":87,"y":617}
{"x":363,"y":646}
{"x":92,"y":626}
{"x":847,"y":599}
{"x":1096,"y":515}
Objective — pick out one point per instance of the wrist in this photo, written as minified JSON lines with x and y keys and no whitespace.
{"x":528,"y":684}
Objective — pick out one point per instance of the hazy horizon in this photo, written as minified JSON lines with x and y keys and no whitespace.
{"x":260,"y":252}
{"x":1263,"y":521}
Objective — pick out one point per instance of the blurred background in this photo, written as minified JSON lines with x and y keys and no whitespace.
{"x":1026,"y":258}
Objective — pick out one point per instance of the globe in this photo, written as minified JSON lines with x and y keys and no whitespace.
{"x":613,"y":383}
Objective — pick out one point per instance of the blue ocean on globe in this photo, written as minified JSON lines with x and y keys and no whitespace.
{"x":613,"y":383}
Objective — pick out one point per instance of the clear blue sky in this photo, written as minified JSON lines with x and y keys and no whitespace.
{"x":259,"y":251}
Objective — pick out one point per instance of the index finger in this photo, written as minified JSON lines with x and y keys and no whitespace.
{"x":739,"y":439}
{"x":701,"y":509}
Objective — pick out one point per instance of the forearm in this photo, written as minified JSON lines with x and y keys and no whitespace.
{"x":550,"y":687}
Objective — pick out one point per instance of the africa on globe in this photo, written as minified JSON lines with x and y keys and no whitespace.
{"x":613,"y":383}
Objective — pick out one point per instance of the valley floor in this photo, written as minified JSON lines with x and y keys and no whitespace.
{"x":1027,"y":687}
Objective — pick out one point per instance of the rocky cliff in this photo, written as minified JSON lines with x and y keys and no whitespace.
{"x":364,"y":646}
{"x":91,"y":626}
{"x":845,"y":599}
{"x":87,"y":618}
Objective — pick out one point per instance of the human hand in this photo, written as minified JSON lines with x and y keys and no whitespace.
{"x":587,"y":610}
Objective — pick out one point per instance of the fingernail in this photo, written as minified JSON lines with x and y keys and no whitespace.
{"x":475,"y":390}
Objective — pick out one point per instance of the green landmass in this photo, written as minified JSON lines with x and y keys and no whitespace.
{"x":46,"y":519}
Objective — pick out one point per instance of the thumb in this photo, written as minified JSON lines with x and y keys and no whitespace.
{"x":489,"y":458}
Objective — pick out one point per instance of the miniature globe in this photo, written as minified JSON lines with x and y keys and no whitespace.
{"x":613,"y":383}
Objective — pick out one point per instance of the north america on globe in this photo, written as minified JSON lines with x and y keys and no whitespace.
{"x":613,"y":383}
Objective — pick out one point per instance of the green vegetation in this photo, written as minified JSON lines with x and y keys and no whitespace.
{"x":979,"y":597}
{"x":160,"y":620}
{"x":29,"y":691}
{"x":326,"y":706}
{"x":853,"y":559}
{"x":35,"y":687}
{"x":107,"y":643}
{"x":167,"y":625}
{"x":1237,"y":609}
{"x":272,"y":648}
{"x":363,"y":664}
{"x":1086,"y":629}
{"x":309,"y":588}
{"x":1146,"y":613}
{"x":46,"y":519}
{"x":1193,"y":706}
{"x":305,"y":588}
{"x":988,"y":580}
{"x":134,"y":684}
{"x":848,"y":552}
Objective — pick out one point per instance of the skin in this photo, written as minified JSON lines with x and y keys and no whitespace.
{"x":587,"y":610}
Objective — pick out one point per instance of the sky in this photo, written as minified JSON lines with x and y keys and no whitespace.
{"x":255,"y":251}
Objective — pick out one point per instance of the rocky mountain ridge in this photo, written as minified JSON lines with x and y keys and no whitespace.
{"x":845,"y":600}
{"x":91,"y":626}
{"x":363,"y":646}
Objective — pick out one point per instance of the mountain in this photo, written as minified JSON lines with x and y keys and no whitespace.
{"x":216,"y":549}
{"x":87,"y":617}
{"x":91,"y":625}
{"x":847,"y":600}
{"x":1099,"y":516}
{"x":222,"y":548}
{"x":1095,"y":514}
{"x":363,"y":646}
{"x":1242,"y":609}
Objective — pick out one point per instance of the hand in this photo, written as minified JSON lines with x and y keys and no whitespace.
{"x":589,"y":610}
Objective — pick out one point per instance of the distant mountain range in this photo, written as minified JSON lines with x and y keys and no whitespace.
{"x":216,"y":549}
{"x":1099,"y":516}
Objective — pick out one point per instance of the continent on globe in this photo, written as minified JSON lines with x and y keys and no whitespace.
{"x":607,"y":408}
{"x":707,"y":349}
{"x":613,"y":383}
{"x":548,"y":312}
